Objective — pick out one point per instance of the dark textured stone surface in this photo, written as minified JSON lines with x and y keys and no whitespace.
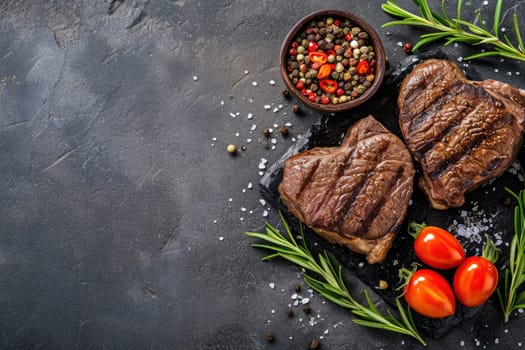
{"x":117,"y":229}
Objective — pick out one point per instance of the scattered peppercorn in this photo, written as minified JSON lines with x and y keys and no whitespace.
{"x":407,"y":47}
{"x":307,"y":309}
{"x":269,"y":336}
{"x":266,"y":133}
{"x":231,"y":149}
{"x":285,"y":92}
{"x":383,"y":284}
{"x":296,"y":287}
{"x":295,"y":108}
{"x":507,"y":201}
{"x":315,"y":344}
{"x":289,"y":312}
{"x":283,"y":130}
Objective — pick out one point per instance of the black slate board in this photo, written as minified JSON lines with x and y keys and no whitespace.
{"x":490,"y":200}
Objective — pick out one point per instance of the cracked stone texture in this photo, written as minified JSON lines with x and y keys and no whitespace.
{"x":122,"y":215}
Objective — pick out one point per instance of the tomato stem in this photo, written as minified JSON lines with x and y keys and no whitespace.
{"x":405,"y":275}
{"x":414,"y":229}
{"x":489,"y":250}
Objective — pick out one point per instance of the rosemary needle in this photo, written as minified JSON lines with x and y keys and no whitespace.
{"x":328,"y":281}
{"x":510,"y":295}
{"x":457,"y":30}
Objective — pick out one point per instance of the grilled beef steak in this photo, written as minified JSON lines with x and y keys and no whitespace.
{"x":355,"y":194}
{"x":462,"y":132}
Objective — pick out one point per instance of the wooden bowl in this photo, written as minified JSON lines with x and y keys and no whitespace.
{"x":374,"y":40}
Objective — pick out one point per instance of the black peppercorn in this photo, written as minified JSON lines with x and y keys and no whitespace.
{"x":269,"y":336}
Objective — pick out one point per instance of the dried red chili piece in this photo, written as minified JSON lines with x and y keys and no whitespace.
{"x":363,"y":68}
{"x":317,"y":57}
{"x":328,"y":85}
{"x":324,"y":71}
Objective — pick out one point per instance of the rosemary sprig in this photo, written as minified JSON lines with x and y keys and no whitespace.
{"x":457,"y":30}
{"x":510,"y":294}
{"x":328,"y":281}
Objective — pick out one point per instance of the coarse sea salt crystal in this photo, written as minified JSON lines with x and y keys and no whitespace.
{"x":254,"y":83}
{"x":195,"y":78}
{"x":272,"y":285}
{"x":254,"y":126}
{"x":272,"y":82}
{"x":265,"y":213}
{"x":267,"y":107}
{"x":262,"y":201}
{"x":250,"y":185}
{"x":250,"y":116}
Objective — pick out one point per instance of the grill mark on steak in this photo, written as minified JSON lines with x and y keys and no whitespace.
{"x":307,"y":179}
{"x":462,"y":109}
{"x":376,"y":207}
{"x":357,"y":188}
{"x":438,"y":103}
{"x":440,"y":167}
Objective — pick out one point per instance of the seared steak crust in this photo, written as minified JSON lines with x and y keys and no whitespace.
{"x":462,"y":132}
{"x":355,"y":194}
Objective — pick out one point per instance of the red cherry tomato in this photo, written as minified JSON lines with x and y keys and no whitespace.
{"x":429,"y":294}
{"x":437,"y":247}
{"x":475,"y":280}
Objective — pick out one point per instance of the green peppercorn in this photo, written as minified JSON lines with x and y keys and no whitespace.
{"x":300,"y":49}
{"x":361,"y":89}
{"x":363,"y":35}
{"x":329,"y":20}
{"x":356,"y":31}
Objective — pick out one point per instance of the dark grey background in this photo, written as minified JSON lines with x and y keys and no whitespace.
{"x":121,"y":213}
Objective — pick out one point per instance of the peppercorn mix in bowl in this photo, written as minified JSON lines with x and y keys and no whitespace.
{"x":332,"y":60}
